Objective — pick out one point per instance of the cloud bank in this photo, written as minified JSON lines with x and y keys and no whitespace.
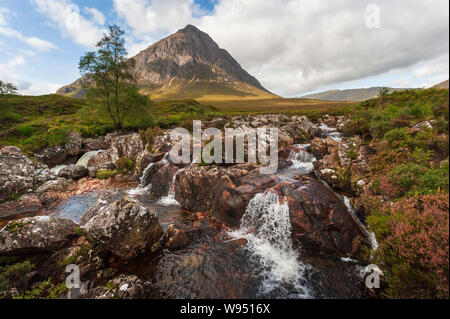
{"x":296,"y":46}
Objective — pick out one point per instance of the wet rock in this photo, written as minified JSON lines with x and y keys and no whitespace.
{"x":162,"y":180}
{"x":125,"y":227}
{"x":223,"y":191}
{"x":106,"y":198}
{"x":174,"y":238}
{"x":320,"y":220}
{"x":26,"y":203}
{"x":74,"y":172}
{"x":36,"y":234}
{"x":146,"y":159}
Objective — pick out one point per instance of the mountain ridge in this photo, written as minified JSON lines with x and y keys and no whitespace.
{"x":187,"y":64}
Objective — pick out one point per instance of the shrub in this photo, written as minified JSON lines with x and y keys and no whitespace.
{"x":14,"y":275}
{"x":125,"y":164}
{"x":47,"y":290}
{"x":106,"y":173}
{"x":26,"y":130}
{"x":414,"y":248}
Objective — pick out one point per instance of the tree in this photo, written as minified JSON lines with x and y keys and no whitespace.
{"x":113,"y":83}
{"x":383,"y":91}
{"x":7,"y":88}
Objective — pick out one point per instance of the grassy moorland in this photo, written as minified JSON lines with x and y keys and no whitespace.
{"x":407,"y":203}
{"x":36,"y":122}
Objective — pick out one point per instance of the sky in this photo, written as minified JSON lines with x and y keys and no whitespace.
{"x":293,"y":47}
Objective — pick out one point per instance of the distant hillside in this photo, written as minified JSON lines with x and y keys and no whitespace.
{"x":188,"y":65}
{"x":442,"y":85}
{"x":352,"y":95}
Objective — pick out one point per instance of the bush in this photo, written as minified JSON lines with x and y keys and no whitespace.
{"x":125,"y":164}
{"x":106,"y":173}
{"x":14,"y":275}
{"x":414,"y":248}
{"x":47,"y":290}
{"x":26,"y":130}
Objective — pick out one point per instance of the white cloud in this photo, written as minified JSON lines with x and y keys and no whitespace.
{"x":66,"y":16}
{"x":3,"y":13}
{"x":97,"y":16}
{"x":158,"y":15}
{"x":296,"y":46}
{"x":33,"y":42}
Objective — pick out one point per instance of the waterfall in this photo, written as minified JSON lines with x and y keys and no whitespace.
{"x":144,"y":177}
{"x":84,"y":160}
{"x":302,"y":160}
{"x":170,"y":200}
{"x":369,"y":235}
{"x":267,"y":227}
{"x":55,"y":170}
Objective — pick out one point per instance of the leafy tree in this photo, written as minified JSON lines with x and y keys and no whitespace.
{"x":113,"y":84}
{"x":383,"y":91}
{"x":7,"y":88}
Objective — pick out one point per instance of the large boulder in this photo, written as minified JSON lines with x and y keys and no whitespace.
{"x":25,"y":204}
{"x":320,"y":220}
{"x":224,"y":191}
{"x":74,"y":172}
{"x":36,"y":234}
{"x":18,"y":174}
{"x":126,"y":228}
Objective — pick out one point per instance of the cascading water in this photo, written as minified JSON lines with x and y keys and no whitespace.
{"x":302,"y":160}
{"x":369,"y":235}
{"x":170,"y":200}
{"x":267,"y":227}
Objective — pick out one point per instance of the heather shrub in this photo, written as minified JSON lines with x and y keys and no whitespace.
{"x":414,"y":246}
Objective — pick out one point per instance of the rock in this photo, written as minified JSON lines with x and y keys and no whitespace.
{"x":74,"y":172}
{"x":36,"y":234}
{"x":102,"y":160}
{"x":146,"y":159}
{"x":106,"y":198}
{"x":162,"y":181}
{"x":129,"y":146}
{"x":319,"y":148}
{"x":174,"y":238}
{"x":125,"y":227}
{"x":92,"y":171}
{"x":91,"y":144}
{"x":18,"y":174}
{"x":320,"y":220}
{"x":122,"y":287}
{"x":224,"y":191}
{"x":26,"y":203}
{"x":60,"y":154}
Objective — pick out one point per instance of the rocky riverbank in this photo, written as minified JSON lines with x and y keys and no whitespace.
{"x":160,"y":230}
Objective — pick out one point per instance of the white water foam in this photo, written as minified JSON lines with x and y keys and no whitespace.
{"x":302,"y":160}
{"x":267,"y":227}
{"x":170,"y":200}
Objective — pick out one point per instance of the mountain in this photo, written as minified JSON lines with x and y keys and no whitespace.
{"x":352,"y":95}
{"x":442,"y":85}
{"x":188,"y":64}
